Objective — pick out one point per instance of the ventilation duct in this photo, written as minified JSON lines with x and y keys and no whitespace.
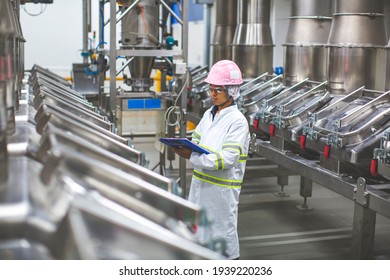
{"x":225,"y":27}
{"x":305,"y":48}
{"x":252,"y":43}
{"x":356,"y":46}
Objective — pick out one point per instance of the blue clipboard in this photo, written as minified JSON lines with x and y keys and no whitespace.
{"x":184,"y":142}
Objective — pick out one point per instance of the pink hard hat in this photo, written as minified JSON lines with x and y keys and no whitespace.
{"x":224,"y":72}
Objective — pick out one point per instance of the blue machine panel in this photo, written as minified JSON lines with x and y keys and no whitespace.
{"x":134,"y":104}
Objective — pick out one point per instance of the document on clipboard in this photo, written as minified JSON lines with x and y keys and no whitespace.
{"x":184,"y":142}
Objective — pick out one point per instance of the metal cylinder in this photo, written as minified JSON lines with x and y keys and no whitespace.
{"x":225,"y":27}
{"x":86,"y":28}
{"x":6,"y":36}
{"x":9,"y":59}
{"x":252,"y":43}
{"x":140,"y":31}
{"x":18,"y":56}
{"x":356,"y":45}
{"x":305,"y":47}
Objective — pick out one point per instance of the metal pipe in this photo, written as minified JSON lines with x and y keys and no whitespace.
{"x":86,"y":27}
{"x":124,"y":65}
{"x":225,"y":27}
{"x":183,"y":101}
{"x":252,"y":44}
{"x":356,"y":44}
{"x":112,"y":60}
{"x":305,"y":48}
{"x":172,"y":12}
{"x":124,"y":13}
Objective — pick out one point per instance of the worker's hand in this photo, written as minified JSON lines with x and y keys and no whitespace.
{"x":182,"y":151}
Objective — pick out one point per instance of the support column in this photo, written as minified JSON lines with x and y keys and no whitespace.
{"x":364,"y":219}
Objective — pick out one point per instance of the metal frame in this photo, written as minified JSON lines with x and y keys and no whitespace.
{"x":113,"y":52}
{"x":369,"y":199}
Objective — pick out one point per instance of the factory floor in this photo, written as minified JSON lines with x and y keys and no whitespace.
{"x":274,"y":227}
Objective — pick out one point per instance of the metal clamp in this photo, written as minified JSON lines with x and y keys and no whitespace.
{"x":333,"y":139}
{"x":263,"y":107}
{"x":382,"y":154}
{"x":308,"y":130}
{"x":277,"y":120}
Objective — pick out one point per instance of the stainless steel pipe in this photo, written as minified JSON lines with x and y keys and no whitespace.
{"x":308,"y":32}
{"x":225,"y":27}
{"x":252,"y":43}
{"x":356,"y":45}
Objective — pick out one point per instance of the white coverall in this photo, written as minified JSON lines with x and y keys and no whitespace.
{"x":217,"y":178}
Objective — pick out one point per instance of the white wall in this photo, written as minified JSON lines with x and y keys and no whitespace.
{"x":54,"y":38}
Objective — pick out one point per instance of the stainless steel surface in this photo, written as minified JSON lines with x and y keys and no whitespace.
{"x":140,"y":31}
{"x":252,"y":43}
{"x":358,"y":31}
{"x":225,"y":27}
{"x":358,"y":6}
{"x":372,"y":197}
{"x":303,"y":8}
{"x":120,"y":236}
{"x":305,"y":53}
{"x":61,"y":142}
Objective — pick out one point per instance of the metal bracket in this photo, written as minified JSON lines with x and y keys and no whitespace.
{"x":263,"y":108}
{"x":277,"y":120}
{"x":382,"y":154}
{"x":333,"y":139}
{"x":252,"y":143}
{"x":361,"y":196}
{"x":308,"y":130}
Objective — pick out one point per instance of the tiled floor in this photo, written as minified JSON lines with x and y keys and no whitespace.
{"x":272,"y":227}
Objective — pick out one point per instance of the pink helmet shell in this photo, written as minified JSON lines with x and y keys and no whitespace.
{"x":224,"y":72}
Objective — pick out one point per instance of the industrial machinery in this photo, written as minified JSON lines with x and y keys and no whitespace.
{"x":71,"y":187}
{"x":82,"y":190}
{"x":327,"y":129}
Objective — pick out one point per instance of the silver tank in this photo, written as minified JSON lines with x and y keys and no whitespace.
{"x":8,"y":55}
{"x":225,"y":27}
{"x":7,"y":35}
{"x":140,"y":31}
{"x":305,"y":49}
{"x":387,"y":86}
{"x":252,"y":43}
{"x":357,"y":46}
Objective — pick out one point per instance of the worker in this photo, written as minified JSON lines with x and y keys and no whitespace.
{"x":217,"y":177}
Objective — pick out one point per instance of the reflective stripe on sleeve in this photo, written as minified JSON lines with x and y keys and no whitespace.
{"x":232,"y":146}
{"x":219,"y":163}
{"x":195,"y":136}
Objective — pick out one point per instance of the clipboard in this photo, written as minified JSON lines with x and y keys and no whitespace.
{"x":177,"y":142}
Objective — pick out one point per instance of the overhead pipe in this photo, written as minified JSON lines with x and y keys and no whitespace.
{"x":225,"y":27}
{"x":356,"y":45}
{"x":252,"y":45}
{"x":7,"y":33}
{"x":305,"y":49}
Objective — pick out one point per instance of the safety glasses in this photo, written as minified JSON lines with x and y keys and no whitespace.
{"x":217,"y":90}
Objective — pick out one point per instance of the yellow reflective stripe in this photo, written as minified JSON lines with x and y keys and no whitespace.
{"x":232,"y":184}
{"x":219,"y":162}
{"x":232,"y":146}
{"x":243,"y":158}
{"x":195,"y":135}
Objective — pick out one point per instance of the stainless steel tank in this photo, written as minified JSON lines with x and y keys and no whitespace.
{"x":305,"y":49}
{"x":7,"y":84}
{"x":252,"y":43}
{"x":356,"y":46}
{"x":225,"y":27}
{"x":140,"y":31}
{"x":387,"y":85}
{"x":8,"y":61}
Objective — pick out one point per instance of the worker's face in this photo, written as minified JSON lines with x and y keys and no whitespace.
{"x":218,"y":94}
